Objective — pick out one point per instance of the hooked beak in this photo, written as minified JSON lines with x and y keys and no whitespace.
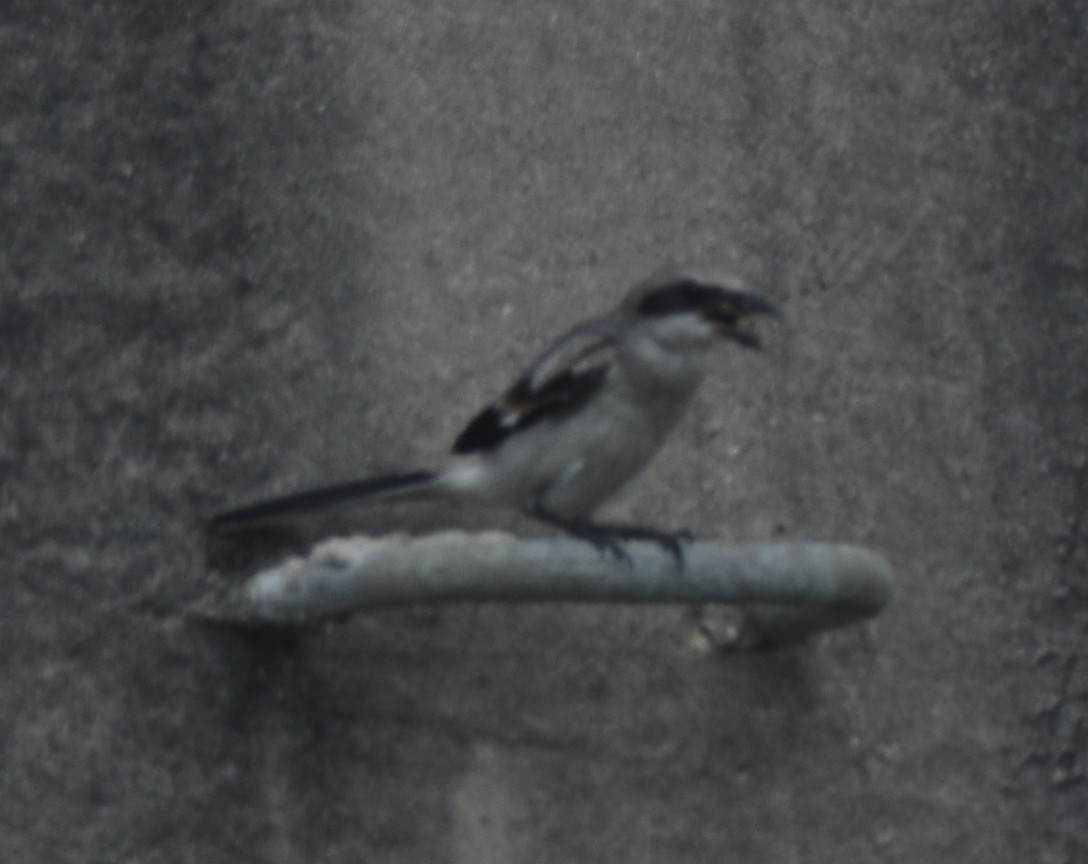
{"x":735,"y":317}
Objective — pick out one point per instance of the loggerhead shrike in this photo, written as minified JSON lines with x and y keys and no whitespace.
{"x":584,"y":418}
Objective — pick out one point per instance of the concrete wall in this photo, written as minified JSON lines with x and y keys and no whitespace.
{"x":251,"y":246}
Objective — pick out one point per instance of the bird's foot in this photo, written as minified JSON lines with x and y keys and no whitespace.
{"x":671,"y":541}
{"x":608,"y":538}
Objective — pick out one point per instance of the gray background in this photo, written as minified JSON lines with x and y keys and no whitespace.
{"x":252,"y":246}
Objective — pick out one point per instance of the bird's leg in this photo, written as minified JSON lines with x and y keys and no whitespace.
{"x":601,"y":538}
{"x":606,"y":537}
{"x":670,"y":541}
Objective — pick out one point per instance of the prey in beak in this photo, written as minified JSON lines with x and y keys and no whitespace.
{"x":735,"y":314}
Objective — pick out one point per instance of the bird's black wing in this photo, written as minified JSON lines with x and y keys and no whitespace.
{"x":561,"y":380}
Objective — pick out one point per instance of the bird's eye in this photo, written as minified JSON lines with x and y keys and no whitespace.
{"x":681,"y":296}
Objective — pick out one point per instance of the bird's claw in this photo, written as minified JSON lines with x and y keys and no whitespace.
{"x":607,"y":539}
{"x":611,"y":546}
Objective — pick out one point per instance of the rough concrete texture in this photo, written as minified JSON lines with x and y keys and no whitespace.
{"x":249,"y":246}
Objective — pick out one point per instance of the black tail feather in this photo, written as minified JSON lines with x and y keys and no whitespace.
{"x":314,"y":501}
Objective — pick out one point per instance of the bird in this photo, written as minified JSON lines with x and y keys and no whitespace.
{"x":582,"y":420}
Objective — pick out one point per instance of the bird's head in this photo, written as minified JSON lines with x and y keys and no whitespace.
{"x":682,"y":308}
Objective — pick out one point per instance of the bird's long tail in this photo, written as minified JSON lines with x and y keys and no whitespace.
{"x":316,"y":502}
